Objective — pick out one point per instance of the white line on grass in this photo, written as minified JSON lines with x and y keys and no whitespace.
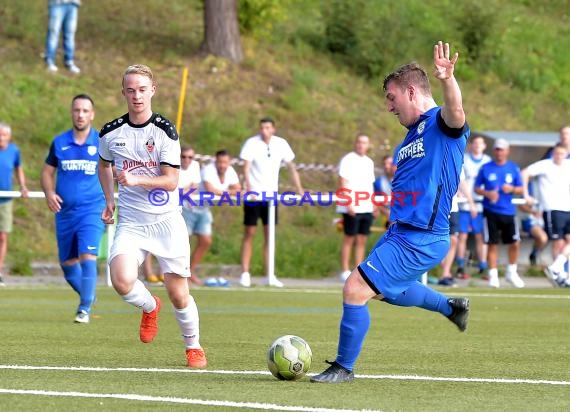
{"x":229,"y":372}
{"x":330,"y":290}
{"x":134,"y":397}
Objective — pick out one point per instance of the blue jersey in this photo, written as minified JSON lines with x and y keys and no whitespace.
{"x":77,"y":182}
{"x":492,"y":177}
{"x":9,"y":161}
{"x":429,"y":162}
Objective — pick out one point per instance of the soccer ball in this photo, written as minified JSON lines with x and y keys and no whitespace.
{"x":289,"y":358}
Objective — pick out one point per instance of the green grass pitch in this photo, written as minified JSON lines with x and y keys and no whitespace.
{"x":514,"y":356}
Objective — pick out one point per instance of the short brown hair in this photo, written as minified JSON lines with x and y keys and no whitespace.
{"x":409,"y":74}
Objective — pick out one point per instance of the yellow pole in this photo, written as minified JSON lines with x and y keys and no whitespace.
{"x":181,"y":99}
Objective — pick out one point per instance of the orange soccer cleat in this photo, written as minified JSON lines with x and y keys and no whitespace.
{"x":149,"y":323}
{"x":196,"y":358}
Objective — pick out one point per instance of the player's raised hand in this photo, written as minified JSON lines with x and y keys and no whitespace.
{"x":444,"y":66}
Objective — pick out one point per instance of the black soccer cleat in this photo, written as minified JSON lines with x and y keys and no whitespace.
{"x":460,"y":312}
{"x":334,"y":374}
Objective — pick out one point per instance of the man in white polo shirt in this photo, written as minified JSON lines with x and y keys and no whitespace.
{"x":262,"y":155}
{"x":553,"y":183}
{"x":355,"y":174}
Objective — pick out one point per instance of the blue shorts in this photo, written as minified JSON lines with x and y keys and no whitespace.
{"x":530,"y":222}
{"x":78,"y":233}
{"x":468,"y":224}
{"x":198,"y":222}
{"x":400,"y":257}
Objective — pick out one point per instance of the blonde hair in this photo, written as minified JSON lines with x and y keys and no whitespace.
{"x":141,"y":69}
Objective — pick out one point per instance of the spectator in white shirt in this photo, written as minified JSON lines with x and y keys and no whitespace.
{"x":262,"y":155}
{"x":198,"y":221}
{"x":356,"y":174}
{"x":218,"y":178}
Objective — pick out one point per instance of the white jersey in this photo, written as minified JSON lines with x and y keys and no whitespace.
{"x":358,"y":172}
{"x":265,"y":162}
{"x":552,"y":184}
{"x":141,"y":150}
{"x":471,"y":168}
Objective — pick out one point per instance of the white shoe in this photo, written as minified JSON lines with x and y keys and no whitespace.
{"x":515,"y":280}
{"x":276,"y":283}
{"x":52,"y":68}
{"x":344,"y":275}
{"x":72,"y":68}
{"x":553,"y":276}
{"x":82,"y":317}
{"x":494,"y":282}
{"x":245,"y":279}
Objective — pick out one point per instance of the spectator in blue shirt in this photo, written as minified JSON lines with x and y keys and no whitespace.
{"x":498,"y":181}
{"x":10,"y":165}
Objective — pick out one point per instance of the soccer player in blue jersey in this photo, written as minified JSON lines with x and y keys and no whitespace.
{"x":73,"y":192}
{"x":498,"y":181}
{"x":428,"y":162}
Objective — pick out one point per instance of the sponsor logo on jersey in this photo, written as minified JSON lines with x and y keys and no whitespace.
{"x":150,"y":145}
{"x":412,"y":150}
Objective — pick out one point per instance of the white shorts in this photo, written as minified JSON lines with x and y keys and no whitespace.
{"x":167,"y":240}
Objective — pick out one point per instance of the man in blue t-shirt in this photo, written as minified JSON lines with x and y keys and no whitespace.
{"x":498,"y":181}
{"x":10,"y":165}
{"x":73,"y":192}
{"x":428,"y":163}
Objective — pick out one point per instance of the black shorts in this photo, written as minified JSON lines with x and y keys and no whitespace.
{"x":256,"y":210}
{"x":454,"y":223}
{"x":357,"y":224}
{"x":557,"y":224}
{"x":503,"y":227}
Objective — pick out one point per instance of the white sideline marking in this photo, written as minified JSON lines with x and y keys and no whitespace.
{"x":228,"y":372}
{"x":134,"y":397}
{"x":331,"y":290}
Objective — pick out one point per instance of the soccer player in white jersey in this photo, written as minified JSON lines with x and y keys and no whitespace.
{"x":146,"y":151}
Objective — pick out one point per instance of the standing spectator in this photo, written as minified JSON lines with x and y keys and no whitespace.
{"x":10,"y":165}
{"x":383,"y":183}
{"x":262,"y":155}
{"x":429,"y":161}
{"x":218,"y":178}
{"x":564,"y":139}
{"x":146,"y":151}
{"x":198,"y":220}
{"x":73,"y":193}
{"x":62,"y":16}
{"x":469,"y":223}
{"x":553,"y":186}
{"x":464,"y":191}
{"x":498,"y":181}
{"x":355,"y":174}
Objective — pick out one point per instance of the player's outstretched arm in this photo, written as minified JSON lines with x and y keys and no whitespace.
{"x":452,"y":108}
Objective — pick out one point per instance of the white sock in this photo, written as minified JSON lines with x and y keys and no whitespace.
{"x":140,"y":297}
{"x":493,"y":273}
{"x":189,"y":324}
{"x":512,"y":269}
{"x":558,"y":264}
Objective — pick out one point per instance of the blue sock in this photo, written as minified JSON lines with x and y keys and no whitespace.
{"x":72,"y":274}
{"x":460,"y":262}
{"x":353,"y":327}
{"x":482,"y":265}
{"x":88,"y":284}
{"x":423,"y":297}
